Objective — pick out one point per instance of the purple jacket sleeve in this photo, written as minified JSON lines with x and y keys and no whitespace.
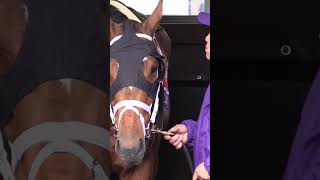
{"x":207,"y":164}
{"x":206,"y":144}
{"x":204,"y":138}
{"x":192,"y":132}
{"x":199,"y":133}
{"x":304,"y":159}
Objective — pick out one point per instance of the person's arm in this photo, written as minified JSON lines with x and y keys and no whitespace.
{"x":304,"y":159}
{"x":207,"y":150}
{"x":202,"y":171}
{"x":313,"y":172}
{"x":206,"y":135}
{"x":192,"y":128}
{"x":207,"y":164}
{"x":304,"y":162}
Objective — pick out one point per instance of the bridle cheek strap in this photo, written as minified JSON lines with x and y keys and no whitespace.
{"x":156,"y":106}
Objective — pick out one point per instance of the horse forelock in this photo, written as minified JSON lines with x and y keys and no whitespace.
{"x":116,"y":16}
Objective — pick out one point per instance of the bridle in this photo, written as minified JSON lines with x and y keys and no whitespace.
{"x":132,"y":105}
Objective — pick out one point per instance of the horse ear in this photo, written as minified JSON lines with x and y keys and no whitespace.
{"x":150,"y":25}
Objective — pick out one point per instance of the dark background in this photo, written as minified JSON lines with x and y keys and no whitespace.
{"x":260,"y":89}
{"x":257,"y":109}
{"x":265,"y":56}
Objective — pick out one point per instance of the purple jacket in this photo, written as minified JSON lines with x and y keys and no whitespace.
{"x":304,"y":160}
{"x":199,"y":134}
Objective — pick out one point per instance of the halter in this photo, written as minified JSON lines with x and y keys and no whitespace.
{"x":131,"y":105}
{"x":120,"y":42}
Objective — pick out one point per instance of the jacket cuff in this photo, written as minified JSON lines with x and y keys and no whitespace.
{"x":207,"y":164}
{"x":192,"y":127}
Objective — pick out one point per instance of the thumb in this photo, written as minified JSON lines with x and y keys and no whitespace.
{"x":175,"y":129}
{"x":195,"y":176}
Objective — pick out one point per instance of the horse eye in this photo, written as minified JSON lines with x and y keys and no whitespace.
{"x":154,"y":69}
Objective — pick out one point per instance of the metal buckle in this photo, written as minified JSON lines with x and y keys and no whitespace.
{"x":115,"y":134}
{"x":148,"y":134}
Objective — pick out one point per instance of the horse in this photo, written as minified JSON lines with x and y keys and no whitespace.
{"x":139,"y":94}
{"x":53,"y":90}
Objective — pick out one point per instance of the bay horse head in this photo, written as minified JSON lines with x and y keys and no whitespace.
{"x":136,"y":73}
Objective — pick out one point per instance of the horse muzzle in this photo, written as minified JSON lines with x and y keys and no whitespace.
{"x":131,"y":156}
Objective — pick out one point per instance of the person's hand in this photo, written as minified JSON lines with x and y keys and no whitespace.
{"x":201,"y":173}
{"x":180,"y":137}
{"x":207,"y":50}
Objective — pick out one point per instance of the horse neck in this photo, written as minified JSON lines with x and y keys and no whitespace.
{"x":59,"y":101}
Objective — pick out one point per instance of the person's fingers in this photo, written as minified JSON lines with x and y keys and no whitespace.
{"x":205,"y":177}
{"x":178,"y":141}
{"x":167,"y":137}
{"x":202,"y":173}
{"x":174,"y":138}
{"x":179,"y":145}
{"x":174,"y":129}
{"x":195,"y":176}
